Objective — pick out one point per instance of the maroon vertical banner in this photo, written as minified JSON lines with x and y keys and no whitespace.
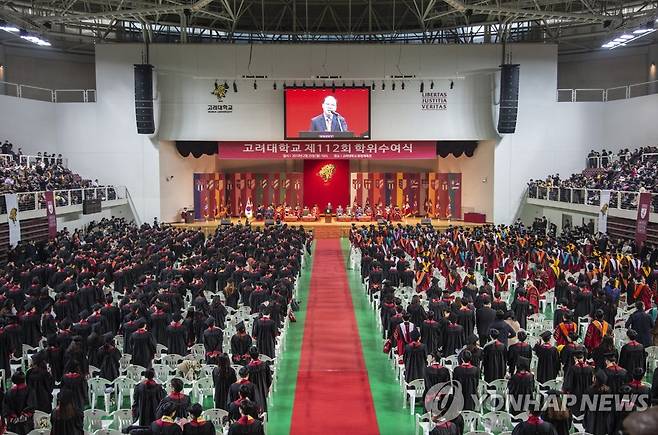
{"x":211,"y":188}
{"x":455,"y":185}
{"x":367,"y":189}
{"x":390,"y":189}
{"x":274,"y":189}
{"x":204,"y":196}
{"x":50,"y":214}
{"x":297,"y":189}
{"x":377,"y":189}
{"x":442,"y":196}
{"x":643,"y":211}
{"x":250,"y":189}
{"x":414,"y":193}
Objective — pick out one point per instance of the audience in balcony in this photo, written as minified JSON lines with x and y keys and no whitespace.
{"x":629,"y":171}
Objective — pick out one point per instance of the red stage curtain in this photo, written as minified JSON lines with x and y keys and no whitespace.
{"x":336,"y":190}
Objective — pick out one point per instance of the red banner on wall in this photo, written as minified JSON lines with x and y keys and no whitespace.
{"x":643,"y":211}
{"x":50,"y":214}
{"x":377,"y":150}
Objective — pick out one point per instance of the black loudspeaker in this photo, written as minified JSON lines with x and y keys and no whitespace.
{"x":269,"y":222}
{"x":509,"y":98}
{"x":144,"y":99}
{"x":226,"y":221}
{"x":426,"y":221}
{"x":91,"y":206}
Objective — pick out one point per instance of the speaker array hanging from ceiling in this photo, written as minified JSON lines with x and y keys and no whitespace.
{"x":144,"y":99}
{"x":509,"y":98}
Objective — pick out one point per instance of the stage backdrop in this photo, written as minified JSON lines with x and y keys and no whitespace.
{"x":427,"y":193}
{"x":215,"y":192}
{"x":326,"y":181}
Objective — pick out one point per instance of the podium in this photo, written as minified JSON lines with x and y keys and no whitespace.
{"x":326,"y":134}
{"x":327,"y":219}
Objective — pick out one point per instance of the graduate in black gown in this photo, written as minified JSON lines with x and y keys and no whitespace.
{"x":213,"y":338}
{"x":522,"y":308}
{"x":435,"y":372}
{"x":143,"y":345}
{"x":75,"y":382}
{"x":223,"y":377}
{"x":176,"y":336}
{"x":18,"y":406}
{"x":147,"y":396}
{"x":264,"y":332}
{"x":494,"y":358}
{"x":548,"y":358}
{"x":468,"y":376}
{"x":616,"y":375}
{"x":632,"y":354}
{"x":466,"y":318}
{"x":247,"y":424}
{"x":197,"y":425}
{"x":234,"y":407}
{"x":66,"y":418}
{"x":566,"y":355}
{"x":5,"y":348}
{"x":521,"y":387}
{"x":54,"y":357}
{"x":641,"y":392}
{"x":557,"y":413}
{"x":41,"y":383}
{"x":166,"y":425}
{"x":109,"y":359}
{"x":430,"y":333}
{"x":577,"y":380}
{"x":240,"y":345}
{"x":534,"y":425}
{"x":235,"y":387}
{"x":260,"y":375}
{"x":598,"y":421}
{"x":415,"y":358}
{"x":176,"y":397}
{"x":520,"y":349}
{"x":453,"y":337}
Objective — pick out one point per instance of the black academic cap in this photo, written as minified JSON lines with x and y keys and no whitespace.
{"x":240,"y":326}
{"x":578,"y":353}
{"x":631,"y":334}
{"x":546,"y":335}
{"x":494,"y":333}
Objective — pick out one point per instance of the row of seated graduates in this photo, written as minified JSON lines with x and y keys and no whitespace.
{"x":61,"y":291}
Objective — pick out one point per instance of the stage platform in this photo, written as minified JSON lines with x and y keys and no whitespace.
{"x":321,"y":229}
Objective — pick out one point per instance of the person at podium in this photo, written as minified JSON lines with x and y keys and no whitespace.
{"x":328,"y":210}
{"x":329,"y":120}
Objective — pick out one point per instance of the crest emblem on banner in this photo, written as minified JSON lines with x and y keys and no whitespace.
{"x":13,"y":214}
{"x":327,"y":172}
{"x":356,"y":184}
{"x":643,"y":212}
{"x":367,"y":183}
{"x":263,"y":183}
{"x":251,"y":183}
{"x":380,"y":183}
{"x":219,"y":91}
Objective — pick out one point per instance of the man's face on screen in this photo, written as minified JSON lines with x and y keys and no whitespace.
{"x":329,"y":105}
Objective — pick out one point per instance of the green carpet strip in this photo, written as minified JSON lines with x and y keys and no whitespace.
{"x":384,"y":386}
{"x":280,"y":407}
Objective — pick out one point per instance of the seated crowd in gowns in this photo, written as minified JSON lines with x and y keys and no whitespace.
{"x":487,"y":331}
{"x":71,"y":296}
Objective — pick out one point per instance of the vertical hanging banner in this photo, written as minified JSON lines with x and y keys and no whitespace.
{"x":50,"y":214}
{"x":11,"y":200}
{"x":643,"y":209}
{"x":603,"y":211}
{"x":455,"y":195}
{"x":442,"y":196}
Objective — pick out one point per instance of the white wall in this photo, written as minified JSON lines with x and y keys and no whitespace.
{"x":29,"y":124}
{"x":177,"y":192}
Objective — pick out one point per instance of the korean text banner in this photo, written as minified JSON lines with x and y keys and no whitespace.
{"x":373,"y":150}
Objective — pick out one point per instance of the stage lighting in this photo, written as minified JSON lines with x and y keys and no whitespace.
{"x":373,"y":86}
{"x":452,"y":84}
{"x":383,"y":86}
{"x":353,"y":84}
{"x":274,"y":86}
{"x":226,"y":85}
{"x":432,"y":84}
{"x":422,"y":87}
{"x":402,"y":86}
{"x":235,"y":87}
{"x":393,"y":86}
{"x":255,"y":85}
{"x":333,"y":86}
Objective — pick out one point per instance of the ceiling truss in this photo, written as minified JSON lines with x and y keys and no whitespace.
{"x":574,"y":24}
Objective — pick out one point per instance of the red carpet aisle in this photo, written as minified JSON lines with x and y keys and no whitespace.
{"x":333,"y":393}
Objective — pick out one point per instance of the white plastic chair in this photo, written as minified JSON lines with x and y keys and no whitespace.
{"x":107,"y":432}
{"x":471,"y":420}
{"x":134,"y":372}
{"x":122,"y":418}
{"x":204,"y":387}
{"x":161,"y":372}
{"x":216,"y":416}
{"x":123,"y":387}
{"x":414,"y":389}
{"x":93,"y":419}
{"x":98,"y":388}
{"x":497,"y":421}
{"x":35,"y":432}
{"x":424,"y":423}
